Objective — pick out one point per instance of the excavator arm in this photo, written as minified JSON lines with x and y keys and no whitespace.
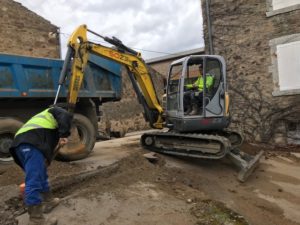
{"x":78,"y":53}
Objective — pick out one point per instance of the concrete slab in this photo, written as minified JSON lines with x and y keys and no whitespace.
{"x":283,"y":167}
{"x":108,"y":152}
{"x":296,"y":154}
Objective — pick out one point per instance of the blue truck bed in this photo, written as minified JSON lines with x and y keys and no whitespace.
{"x":29,"y":77}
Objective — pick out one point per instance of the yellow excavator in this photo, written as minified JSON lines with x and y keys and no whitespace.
{"x":199,"y":135}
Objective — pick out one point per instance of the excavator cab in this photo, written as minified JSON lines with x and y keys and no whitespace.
{"x":191,"y":105}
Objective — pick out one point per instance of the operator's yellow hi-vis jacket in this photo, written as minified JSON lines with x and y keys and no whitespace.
{"x":200,"y":82}
{"x":42,"y":120}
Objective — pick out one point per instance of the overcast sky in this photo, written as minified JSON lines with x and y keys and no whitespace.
{"x":166,"y":26}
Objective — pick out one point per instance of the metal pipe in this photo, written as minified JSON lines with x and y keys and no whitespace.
{"x":59,"y":40}
{"x":64,"y":70}
{"x":116,"y":42}
{"x":96,"y":34}
{"x":57,"y":93}
{"x":204,"y":88}
{"x":63,"y":73}
{"x":210,"y":41}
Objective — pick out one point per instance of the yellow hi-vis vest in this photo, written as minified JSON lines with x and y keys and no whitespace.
{"x":41,"y":120}
{"x":200,"y":82}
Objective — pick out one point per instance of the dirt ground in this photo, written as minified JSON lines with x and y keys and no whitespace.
{"x":171,"y":191}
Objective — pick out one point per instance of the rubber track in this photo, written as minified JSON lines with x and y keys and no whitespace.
{"x":224,"y":143}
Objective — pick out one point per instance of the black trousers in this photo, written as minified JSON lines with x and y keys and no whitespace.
{"x":192,"y":97}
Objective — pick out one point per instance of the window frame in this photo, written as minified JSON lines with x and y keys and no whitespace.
{"x":271,"y":12}
{"x":274,"y":60}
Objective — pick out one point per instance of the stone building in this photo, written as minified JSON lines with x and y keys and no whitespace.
{"x":25,"y":33}
{"x":260,"y":41}
{"x":162,"y":64}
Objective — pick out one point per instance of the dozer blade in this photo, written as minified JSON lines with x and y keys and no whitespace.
{"x":245,"y":162}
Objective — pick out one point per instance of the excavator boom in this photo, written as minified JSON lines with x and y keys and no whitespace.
{"x":132,"y":60}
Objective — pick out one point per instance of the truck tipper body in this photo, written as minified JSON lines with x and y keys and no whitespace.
{"x":28,"y":85}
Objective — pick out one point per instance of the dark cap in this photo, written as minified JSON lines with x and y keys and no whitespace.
{"x":62,"y":105}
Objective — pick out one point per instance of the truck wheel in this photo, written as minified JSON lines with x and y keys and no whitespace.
{"x":8,"y":128}
{"x":82,"y":140}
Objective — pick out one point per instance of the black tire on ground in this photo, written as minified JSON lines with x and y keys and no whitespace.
{"x":87,"y":136}
{"x":8,"y":128}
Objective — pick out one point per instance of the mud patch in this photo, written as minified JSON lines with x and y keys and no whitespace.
{"x":210,"y":212}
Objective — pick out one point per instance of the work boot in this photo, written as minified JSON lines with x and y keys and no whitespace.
{"x":36,"y":216}
{"x":49,"y":202}
{"x":194,"y":110}
{"x":188,"y":110}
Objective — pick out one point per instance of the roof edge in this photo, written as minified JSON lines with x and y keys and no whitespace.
{"x":176,"y":55}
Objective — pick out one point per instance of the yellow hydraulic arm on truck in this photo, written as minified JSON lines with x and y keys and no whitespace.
{"x":81,"y":48}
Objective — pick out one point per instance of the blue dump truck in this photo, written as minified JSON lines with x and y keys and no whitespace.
{"x":28,"y":85}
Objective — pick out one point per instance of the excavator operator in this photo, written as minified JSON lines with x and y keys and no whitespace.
{"x":193,"y":97}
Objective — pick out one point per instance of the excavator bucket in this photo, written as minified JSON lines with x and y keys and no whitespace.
{"x":245,"y":162}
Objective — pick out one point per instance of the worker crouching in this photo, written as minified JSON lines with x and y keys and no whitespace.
{"x":34,"y":147}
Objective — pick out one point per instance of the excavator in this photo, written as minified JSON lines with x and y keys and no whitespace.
{"x":203,"y":135}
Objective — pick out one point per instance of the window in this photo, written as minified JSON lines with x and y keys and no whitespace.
{"x":285,"y":53}
{"x":174,"y":87}
{"x":288,"y":56}
{"x":293,"y":133}
{"x":281,"y":6}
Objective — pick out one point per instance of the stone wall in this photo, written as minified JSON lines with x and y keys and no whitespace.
{"x":25,"y":33}
{"x":242,"y":33}
{"x":127,"y":115}
{"x":162,"y":67}
{"x":162,"y":64}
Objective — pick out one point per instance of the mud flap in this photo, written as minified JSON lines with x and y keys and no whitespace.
{"x":245,"y":162}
